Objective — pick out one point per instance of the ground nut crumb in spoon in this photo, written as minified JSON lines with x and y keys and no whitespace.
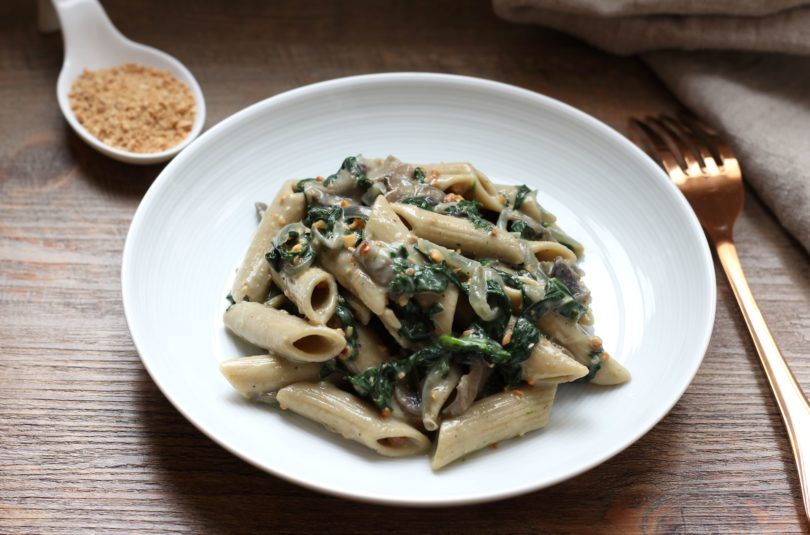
{"x":133,"y":108}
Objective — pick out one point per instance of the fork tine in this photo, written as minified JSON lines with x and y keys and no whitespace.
{"x":715,"y":141}
{"x":678,"y":140}
{"x":658,"y":149}
{"x":698,"y":142}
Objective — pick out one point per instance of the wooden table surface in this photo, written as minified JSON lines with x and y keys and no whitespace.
{"x":88,"y":443}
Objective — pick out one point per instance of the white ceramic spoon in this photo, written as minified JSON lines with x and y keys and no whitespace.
{"x":92,"y":42}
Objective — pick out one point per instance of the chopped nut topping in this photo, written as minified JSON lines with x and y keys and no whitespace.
{"x":436,"y":256}
{"x":507,"y":338}
{"x":133,"y":108}
{"x":349,"y":240}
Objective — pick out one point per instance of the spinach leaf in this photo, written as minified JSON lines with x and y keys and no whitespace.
{"x":520,"y":195}
{"x":349,"y":326}
{"x":558,"y":298}
{"x":328,"y":368}
{"x":497,"y":298}
{"x":524,"y":336}
{"x":523,"y":228}
{"x":470,"y":210}
{"x":593,"y":368}
{"x":295,"y":251}
{"x":419,"y":174}
{"x":330,"y":215}
{"x":479,"y":343}
{"x":417,"y":324}
{"x":355,"y":168}
{"x":301,"y":184}
{"x":431,"y":278}
{"x":421,"y":202}
{"x":510,"y":280}
{"x":419,"y":278}
{"x":378,"y":383}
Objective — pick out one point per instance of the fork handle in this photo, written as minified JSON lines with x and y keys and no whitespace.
{"x":789,"y":396}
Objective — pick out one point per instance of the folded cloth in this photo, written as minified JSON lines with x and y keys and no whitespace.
{"x":754,"y":84}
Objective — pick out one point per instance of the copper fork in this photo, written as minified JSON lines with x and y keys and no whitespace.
{"x":702,"y":165}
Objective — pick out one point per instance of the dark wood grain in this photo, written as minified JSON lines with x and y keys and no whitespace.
{"x":88,"y":443}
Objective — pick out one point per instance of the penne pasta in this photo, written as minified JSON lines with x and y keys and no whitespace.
{"x":584,"y":348}
{"x":343,"y":413}
{"x":548,"y":363}
{"x":384,"y":223}
{"x":412,"y":301}
{"x":282,"y":333}
{"x":463,"y":178}
{"x":259,"y":377}
{"x":458,"y":233}
{"x":252,"y":280}
{"x":435,"y":392}
{"x":313,"y":291}
{"x":493,"y":419}
{"x":372,"y":351}
{"x":344,"y":267}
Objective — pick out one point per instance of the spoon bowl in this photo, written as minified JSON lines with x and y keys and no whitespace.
{"x":93,"y":42}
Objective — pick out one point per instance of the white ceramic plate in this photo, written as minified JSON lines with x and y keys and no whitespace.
{"x":647,"y":264}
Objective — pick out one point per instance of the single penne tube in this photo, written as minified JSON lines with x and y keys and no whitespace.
{"x":582,"y":345}
{"x":486,"y":193}
{"x":548,"y":363}
{"x":453,"y":177}
{"x":312,"y":290}
{"x":548,"y":251}
{"x":384,"y":224}
{"x":252,"y":280}
{"x":464,"y":179}
{"x":610,"y":372}
{"x":492,"y":419}
{"x":282,"y":333}
{"x":435,"y":392}
{"x":259,"y":377}
{"x":345,"y":414}
{"x":371,"y":352}
{"x":459,"y":233}
{"x":351,"y":276}
{"x":530,"y":206}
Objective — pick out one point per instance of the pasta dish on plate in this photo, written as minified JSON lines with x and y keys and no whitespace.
{"x":413,"y":308}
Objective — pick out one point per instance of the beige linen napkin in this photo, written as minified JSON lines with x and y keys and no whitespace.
{"x":752,"y":78}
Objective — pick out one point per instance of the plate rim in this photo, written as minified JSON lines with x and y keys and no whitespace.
{"x":656,"y":173}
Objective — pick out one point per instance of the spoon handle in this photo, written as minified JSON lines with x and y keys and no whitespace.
{"x":84,"y":24}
